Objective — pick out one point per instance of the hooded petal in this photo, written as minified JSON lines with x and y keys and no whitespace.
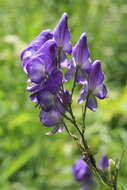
{"x":96,"y":76}
{"x":54,"y":81}
{"x":81,"y":51}
{"x":92,"y":103}
{"x":51,"y":118}
{"x":61,"y":32}
{"x":36,"y":44}
{"x":104,"y":163}
{"x":83,"y":93}
{"x":101,"y":92}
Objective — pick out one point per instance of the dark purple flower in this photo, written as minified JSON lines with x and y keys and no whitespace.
{"x":81,"y":52}
{"x":36,"y":44}
{"x":51,"y":118}
{"x":62,"y":34}
{"x":93,"y":87}
{"x":82,"y":174}
{"x":104,"y":163}
{"x":81,"y":61}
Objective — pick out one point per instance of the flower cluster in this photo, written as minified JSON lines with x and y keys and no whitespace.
{"x":43,"y":62}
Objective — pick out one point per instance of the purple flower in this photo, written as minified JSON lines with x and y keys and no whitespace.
{"x":93,"y":87}
{"x":81,"y":61}
{"x":104,"y":163}
{"x":45,"y":57}
{"x":36,"y":44}
{"x":82,"y":174}
{"x":45,"y":99}
{"x":62,"y":34}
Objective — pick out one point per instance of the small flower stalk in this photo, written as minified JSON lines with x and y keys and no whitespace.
{"x":50,"y":61}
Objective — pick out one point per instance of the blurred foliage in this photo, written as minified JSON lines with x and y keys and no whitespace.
{"x":29,"y":160}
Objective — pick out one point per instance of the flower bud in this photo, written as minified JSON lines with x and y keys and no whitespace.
{"x":112,"y":165}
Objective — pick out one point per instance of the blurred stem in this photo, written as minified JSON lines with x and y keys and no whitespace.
{"x":84,"y":114}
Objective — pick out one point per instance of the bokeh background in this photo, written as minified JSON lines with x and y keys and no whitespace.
{"x":29,"y":160}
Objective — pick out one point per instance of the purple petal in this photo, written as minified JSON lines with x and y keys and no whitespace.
{"x":81,"y":76}
{"x":54,"y":81}
{"x":101,"y":92}
{"x":61,"y":32}
{"x":51,"y":118}
{"x":69,"y":74}
{"x":68,"y":48}
{"x":81,"y":170}
{"x":104,"y":163}
{"x":46,"y":100}
{"x":33,"y":97}
{"x":57,"y":129}
{"x":49,"y":48}
{"x":36,"y":44}
{"x":83,"y":93}
{"x":92,"y":103}
{"x":36,"y":70}
{"x":96,"y":76}
{"x":81,"y":51}
{"x":35,"y":87}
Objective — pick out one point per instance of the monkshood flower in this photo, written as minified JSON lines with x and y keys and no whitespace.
{"x":42,"y":63}
{"x":62,"y":34}
{"x":93,"y":87}
{"x":83,"y":174}
{"x":104,"y":163}
{"x":36,"y":44}
{"x":81,"y":61}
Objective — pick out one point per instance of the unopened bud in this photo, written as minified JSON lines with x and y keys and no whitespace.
{"x":112,"y":165}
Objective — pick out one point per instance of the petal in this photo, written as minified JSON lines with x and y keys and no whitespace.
{"x":54,"y":81}
{"x":36,"y":70}
{"x":69,"y":74}
{"x":61,"y":32}
{"x":57,"y":129}
{"x":92,"y":103}
{"x":49,"y":48}
{"x":96,"y":76}
{"x":101,"y":92}
{"x":68,"y":48}
{"x":35,"y":87}
{"x":36,"y":44}
{"x":83,"y":93}
{"x":51,"y":118}
{"x":104,"y":163}
{"x":81,"y":76}
{"x":46,"y":100}
{"x":81,"y":51}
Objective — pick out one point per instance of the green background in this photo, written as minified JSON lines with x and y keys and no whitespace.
{"x":29,"y":160}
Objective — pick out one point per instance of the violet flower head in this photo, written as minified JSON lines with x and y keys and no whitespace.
{"x":93,"y":87}
{"x":104,"y":162}
{"x":62,"y":34}
{"x":82,"y":174}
